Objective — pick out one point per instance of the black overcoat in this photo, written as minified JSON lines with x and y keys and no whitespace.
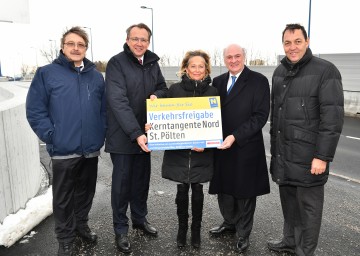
{"x":241,"y":170}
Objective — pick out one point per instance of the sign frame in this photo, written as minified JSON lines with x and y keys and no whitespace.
{"x":184,"y":123}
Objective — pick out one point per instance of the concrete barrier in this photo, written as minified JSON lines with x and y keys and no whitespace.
{"x":20,"y":168}
{"x":352,"y":103}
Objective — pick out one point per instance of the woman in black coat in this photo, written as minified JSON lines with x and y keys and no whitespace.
{"x":195,"y":166}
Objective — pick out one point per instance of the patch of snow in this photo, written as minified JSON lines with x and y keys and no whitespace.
{"x":17,"y":225}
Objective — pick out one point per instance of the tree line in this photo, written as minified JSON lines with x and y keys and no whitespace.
{"x":165,"y":60}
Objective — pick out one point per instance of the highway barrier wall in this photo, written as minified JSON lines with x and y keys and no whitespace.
{"x":20,"y":168}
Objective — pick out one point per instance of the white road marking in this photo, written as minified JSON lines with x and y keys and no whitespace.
{"x":345,"y":177}
{"x":350,"y":137}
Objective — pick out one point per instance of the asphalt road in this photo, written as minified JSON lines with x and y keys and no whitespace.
{"x":340,"y":233}
{"x":347,"y":158}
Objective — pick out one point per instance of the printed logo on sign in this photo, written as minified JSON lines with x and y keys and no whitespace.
{"x":213,"y":143}
{"x":213,"y":103}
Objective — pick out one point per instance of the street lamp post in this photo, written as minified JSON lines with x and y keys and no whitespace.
{"x":152,"y":26}
{"x":53,"y":49}
{"x":36,"y":57}
{"x":91,"y":43}
{"x":309,"y":19}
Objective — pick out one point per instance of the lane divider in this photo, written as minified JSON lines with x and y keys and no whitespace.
{"x":345,"y":177}
{"x":350,"y":137}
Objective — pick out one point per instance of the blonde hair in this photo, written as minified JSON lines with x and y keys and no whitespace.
{"x":189,"y":55}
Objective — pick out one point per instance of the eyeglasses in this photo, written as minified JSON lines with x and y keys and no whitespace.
{"x":136,"y":39}
{"x":73,"y":44}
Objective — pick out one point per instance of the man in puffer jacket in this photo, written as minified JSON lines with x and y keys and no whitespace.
{"x":307,"y":111}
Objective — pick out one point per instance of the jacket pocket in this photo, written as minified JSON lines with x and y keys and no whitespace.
{"x":303,"y":144}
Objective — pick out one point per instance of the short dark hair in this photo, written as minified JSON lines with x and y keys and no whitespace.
{"x":141,"y":26}
{"x":76,"y":30}
{"x":292,"y":27}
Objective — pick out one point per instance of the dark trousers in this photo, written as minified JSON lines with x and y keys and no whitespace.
{"x":130,"y":185}
{"x":238,"y":213}
{"x":302,"y":208}
{"x":74,"y":185}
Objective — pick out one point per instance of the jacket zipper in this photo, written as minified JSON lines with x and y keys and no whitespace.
{"x":305,"y":110}
{"x":189,"y":166}
{"x":195,"y":89}
{"x":194,"y":94}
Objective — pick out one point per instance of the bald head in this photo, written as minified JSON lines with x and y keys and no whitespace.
{"x":232,"y":47}
{"x":234,"y":58}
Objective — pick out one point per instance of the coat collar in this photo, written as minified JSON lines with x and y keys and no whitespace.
{"x":62,"y":60}
{"x":149,"y":57}
{"x":238,"y":86}
{"x":293,"y":69}
{"x":197,"y":86}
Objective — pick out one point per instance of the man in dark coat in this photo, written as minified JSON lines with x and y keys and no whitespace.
{"x":307,"y":111}
{"x":132,"y":76}
{"x":240,"y":162}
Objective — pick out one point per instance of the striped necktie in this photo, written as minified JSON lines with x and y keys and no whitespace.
{"x":232,"y":84}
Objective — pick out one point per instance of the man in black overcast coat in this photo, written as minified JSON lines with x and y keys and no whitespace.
{"x":241,"y":172}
